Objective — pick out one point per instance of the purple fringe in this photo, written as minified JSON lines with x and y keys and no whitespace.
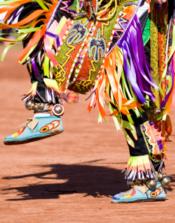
{"x":136,"y":66}
{"x":35,"y":68}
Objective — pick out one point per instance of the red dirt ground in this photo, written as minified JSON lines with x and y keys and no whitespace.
{"x":68,"y":178}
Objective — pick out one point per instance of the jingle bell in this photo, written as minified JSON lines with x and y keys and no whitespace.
{"x":165,"y":180}
{"x":40,"y":106}
{"x":160,"y":176}
{"x":29,"y":105}
{"x":36,"y":107}
{"x":151,"y":184}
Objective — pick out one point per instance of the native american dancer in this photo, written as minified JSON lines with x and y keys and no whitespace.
{"x":121,"y":51}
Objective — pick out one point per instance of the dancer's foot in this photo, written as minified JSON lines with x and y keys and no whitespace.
{"x":40,"y":126}
{"x":140,"y":193}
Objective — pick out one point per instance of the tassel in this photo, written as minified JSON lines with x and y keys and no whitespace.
{"x":139,"y":168}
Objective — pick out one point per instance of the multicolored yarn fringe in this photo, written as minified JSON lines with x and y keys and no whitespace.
{"x":139,"y":168}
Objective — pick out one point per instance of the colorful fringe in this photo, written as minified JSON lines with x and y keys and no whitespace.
{"x":125,"y":82}
{"x":34,"y":17}
{"x":54,"y":43}
{"x":139,"y":168}
{"x":57,"y":54}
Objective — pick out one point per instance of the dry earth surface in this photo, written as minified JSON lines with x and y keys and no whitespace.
{"x":68,"y":178}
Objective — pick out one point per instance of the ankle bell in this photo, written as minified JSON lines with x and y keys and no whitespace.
{"x":165,"y":181}
{"x":151,"y":184}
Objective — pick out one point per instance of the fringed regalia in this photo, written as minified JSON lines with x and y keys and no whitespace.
{"x":121,"y":51}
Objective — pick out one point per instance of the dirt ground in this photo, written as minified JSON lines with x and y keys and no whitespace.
{"x":68,"y":178}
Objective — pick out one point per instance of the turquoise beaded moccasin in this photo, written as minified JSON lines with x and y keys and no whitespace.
{"x":136,"y":195}
{"x":41,"y":126}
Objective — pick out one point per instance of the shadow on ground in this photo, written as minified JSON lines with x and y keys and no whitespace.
{"x":86,"y":179}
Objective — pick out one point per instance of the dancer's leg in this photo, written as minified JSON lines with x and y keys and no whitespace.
{"x":46,"y":107}
{"x":41,"y":100}
{"x":144,"y":166}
